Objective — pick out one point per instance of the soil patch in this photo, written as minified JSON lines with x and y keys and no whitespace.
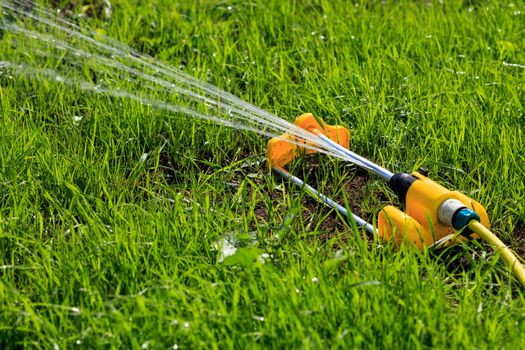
{"x":519,"y":235}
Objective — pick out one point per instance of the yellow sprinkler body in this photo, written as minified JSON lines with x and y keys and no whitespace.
{"x":421,"y":224}
{"x":433,"y":214}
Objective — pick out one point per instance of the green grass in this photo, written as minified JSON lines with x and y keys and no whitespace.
{"x":99,"y":249}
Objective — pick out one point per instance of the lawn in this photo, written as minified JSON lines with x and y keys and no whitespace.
{"x":115,"y":215}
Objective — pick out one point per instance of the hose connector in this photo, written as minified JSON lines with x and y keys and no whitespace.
{"x":454,"y":213}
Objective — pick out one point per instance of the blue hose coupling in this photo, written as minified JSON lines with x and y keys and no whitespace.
{"x":454,"y":213}
{"x":463,"y":217}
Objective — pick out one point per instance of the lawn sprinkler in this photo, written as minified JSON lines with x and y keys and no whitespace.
{"x":434,"y":216}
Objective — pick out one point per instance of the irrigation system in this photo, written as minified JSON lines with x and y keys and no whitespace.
{"x":40,"y":45}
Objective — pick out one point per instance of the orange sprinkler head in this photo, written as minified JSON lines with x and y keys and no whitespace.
{"x":281,"y":150}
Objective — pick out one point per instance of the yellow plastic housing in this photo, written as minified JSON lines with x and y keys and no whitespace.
{"x":420,"y":224}
{"x":398,"y":227}
{"x":281,"y":150}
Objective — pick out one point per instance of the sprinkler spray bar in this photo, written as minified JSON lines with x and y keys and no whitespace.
{"x":328,"y":201}
{"x":433,"y":214}
{"x":357,"y":159}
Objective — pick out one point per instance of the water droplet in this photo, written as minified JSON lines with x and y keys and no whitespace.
{"x":262,"y":258}
{"x":76,"y":119}
{"x":343,"y":334}
{"x":226,"y":247}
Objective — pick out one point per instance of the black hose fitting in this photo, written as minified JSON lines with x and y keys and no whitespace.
{"x":400,"y":183}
